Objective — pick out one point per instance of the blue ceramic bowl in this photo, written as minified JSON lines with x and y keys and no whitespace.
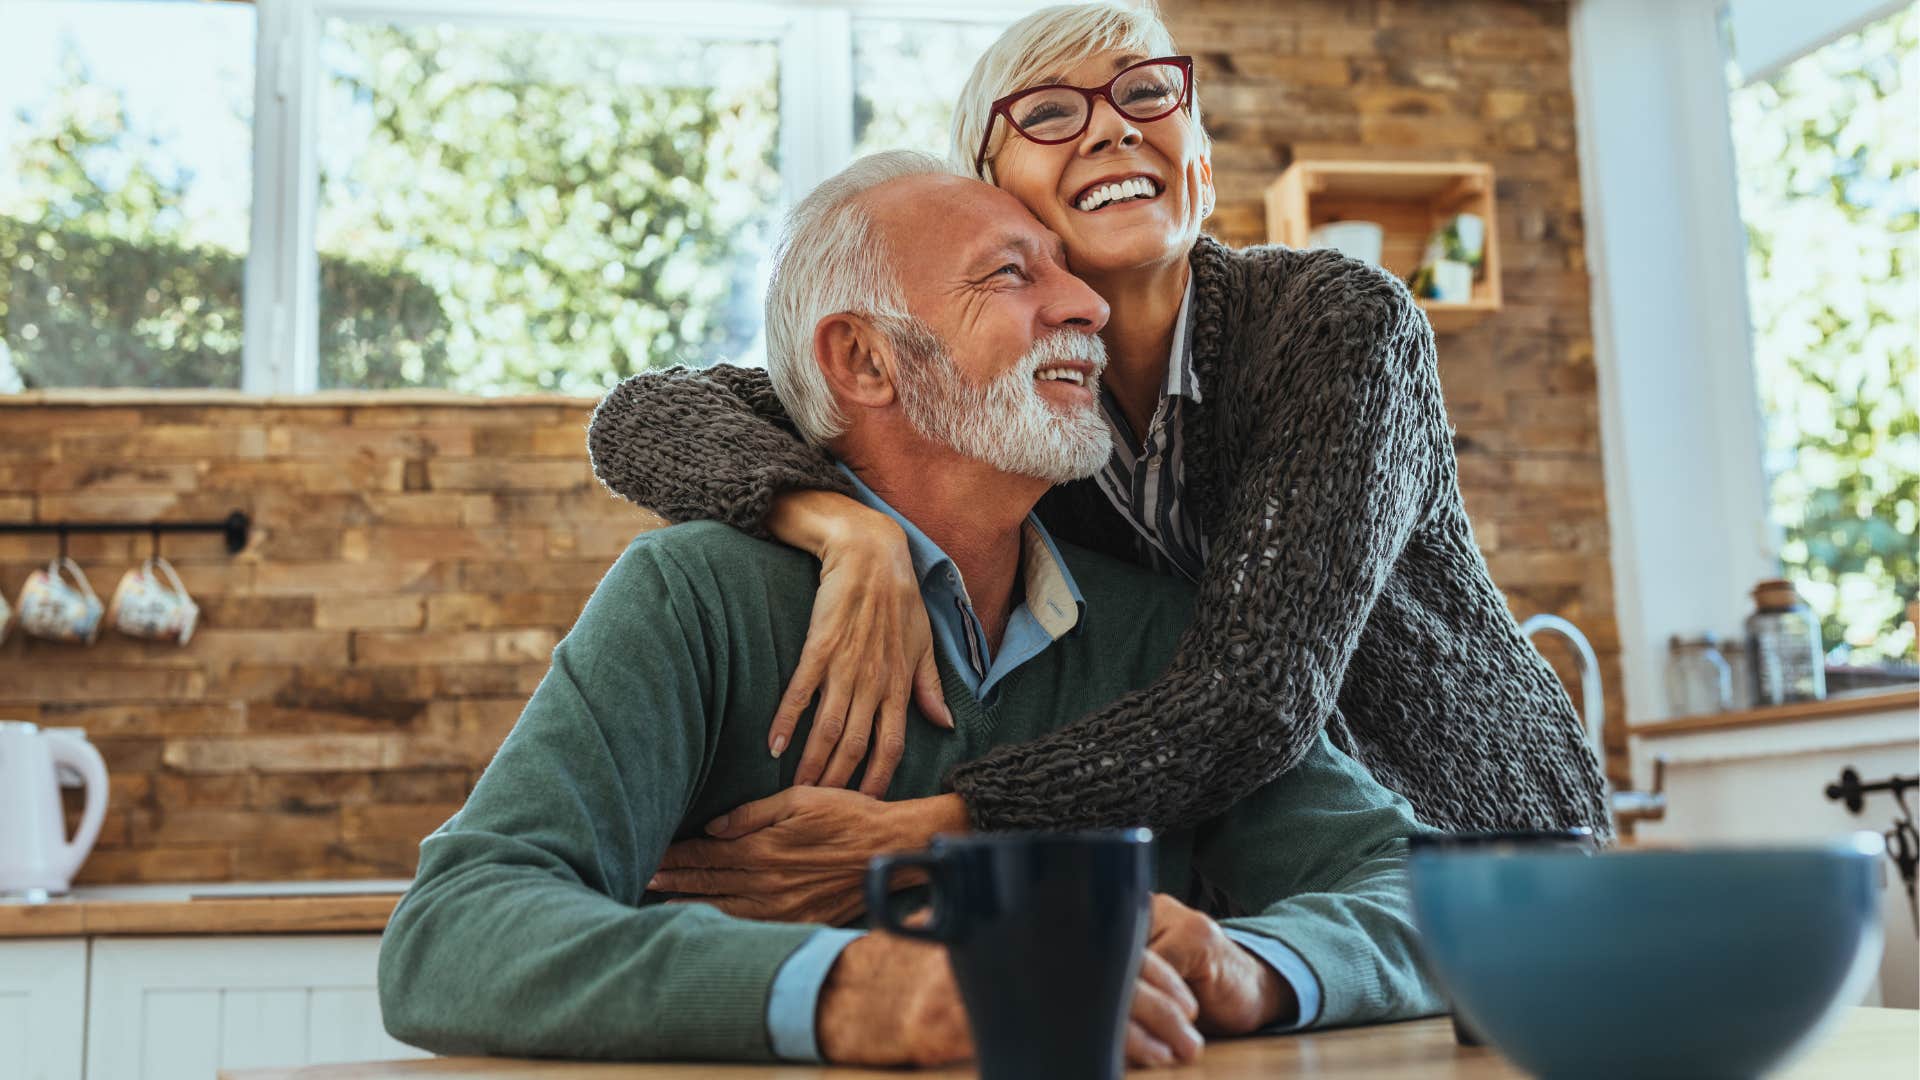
{"x":1645,"y":964}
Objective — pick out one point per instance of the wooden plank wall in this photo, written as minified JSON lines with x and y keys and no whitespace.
{"x":416,"y":559}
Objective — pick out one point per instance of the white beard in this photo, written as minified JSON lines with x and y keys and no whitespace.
{"x":1006,"y":423}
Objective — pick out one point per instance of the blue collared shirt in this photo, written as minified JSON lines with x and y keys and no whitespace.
{"x":1050,"y":605}
{"x":1050,"y":608}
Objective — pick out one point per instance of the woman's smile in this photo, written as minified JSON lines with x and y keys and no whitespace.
{"x":1119,"y":191}
{"x":1126,"y":195}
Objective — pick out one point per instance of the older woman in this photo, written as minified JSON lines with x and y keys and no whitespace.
{"x":1278,"y":438}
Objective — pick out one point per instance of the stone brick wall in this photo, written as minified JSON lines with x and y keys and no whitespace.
{"x":412,"y":564}
{"x":415,"y":558}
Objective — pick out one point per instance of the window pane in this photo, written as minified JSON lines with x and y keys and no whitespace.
{"x":125,"y":185}
{"x":1829,"y":157}
{"x":907,"y":74}
{"x":511,"y":211}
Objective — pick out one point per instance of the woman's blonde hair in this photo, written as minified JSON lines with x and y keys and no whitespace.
{"x":1039,"y":49}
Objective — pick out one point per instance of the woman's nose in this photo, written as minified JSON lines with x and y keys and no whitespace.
{"x":1106,"y":127}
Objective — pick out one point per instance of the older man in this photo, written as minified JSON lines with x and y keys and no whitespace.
{"x":948,"y":359}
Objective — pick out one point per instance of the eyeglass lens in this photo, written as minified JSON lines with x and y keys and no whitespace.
{"x":1147,"y":92}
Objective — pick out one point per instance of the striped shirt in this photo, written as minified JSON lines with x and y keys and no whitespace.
{"x":1144,"y":479}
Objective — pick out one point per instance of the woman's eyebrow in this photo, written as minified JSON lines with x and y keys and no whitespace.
{"x":1124,"y":60}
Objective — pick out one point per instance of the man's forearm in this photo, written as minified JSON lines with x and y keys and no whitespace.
{"x":491,"y":954}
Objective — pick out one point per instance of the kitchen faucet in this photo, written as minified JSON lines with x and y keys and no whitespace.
{"x":1626,"y":807}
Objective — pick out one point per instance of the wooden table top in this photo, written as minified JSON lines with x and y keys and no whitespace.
{"x":1869,"y":1044}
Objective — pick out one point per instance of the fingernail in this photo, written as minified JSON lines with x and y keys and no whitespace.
{"x":718,"y":825}
{"x":779,"y":745}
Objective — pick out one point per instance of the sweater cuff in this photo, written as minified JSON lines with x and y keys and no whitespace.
{"x":1287,"y":964}
{"x":747,"y":502}
{"x":1344,"y":967}
{"x":723,"y":985}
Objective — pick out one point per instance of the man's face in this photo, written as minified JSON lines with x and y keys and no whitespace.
{"x":1001,"y":361}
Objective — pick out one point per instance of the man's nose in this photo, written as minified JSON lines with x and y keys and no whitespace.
{"x":1074,"y":305}
{"x":1107,"y":128}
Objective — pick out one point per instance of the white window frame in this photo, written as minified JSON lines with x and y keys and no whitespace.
{"x":1682,"y":438}
{"x":282,"y":302}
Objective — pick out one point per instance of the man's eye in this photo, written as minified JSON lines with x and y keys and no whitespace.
{"x":1013,"y":268}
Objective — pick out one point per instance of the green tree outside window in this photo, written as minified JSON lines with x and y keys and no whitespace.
{"x":1829,"y":172}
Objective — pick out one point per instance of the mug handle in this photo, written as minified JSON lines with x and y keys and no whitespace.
{"x":166,"y":570}
{"x":79,"y":578}
{"x":880,"y":872}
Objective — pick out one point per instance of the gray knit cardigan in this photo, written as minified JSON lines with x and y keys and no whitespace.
{"x":1342,"y":589}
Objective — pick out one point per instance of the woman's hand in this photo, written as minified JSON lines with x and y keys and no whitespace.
{"x":801,"y":855}
{"x":869,"y":647}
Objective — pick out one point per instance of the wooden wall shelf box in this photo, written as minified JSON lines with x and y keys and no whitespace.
{"x":1408,"y":199}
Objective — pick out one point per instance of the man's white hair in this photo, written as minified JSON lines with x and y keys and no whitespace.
{"x":1039,"y":49}
{"x":829,"y":261}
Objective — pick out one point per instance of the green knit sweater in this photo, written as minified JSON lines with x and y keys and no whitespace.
{"x":528,"y":930}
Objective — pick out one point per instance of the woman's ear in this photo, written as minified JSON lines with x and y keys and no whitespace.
{"x":855,"y":358}
{"x":1206,"y":184}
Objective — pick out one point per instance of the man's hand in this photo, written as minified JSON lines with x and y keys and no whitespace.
{"x":801,"y":855}
{"x":890,"y":1000}
{"x":1236,"y":991}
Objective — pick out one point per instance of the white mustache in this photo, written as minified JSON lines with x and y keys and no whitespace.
{"x":1063,"y":346}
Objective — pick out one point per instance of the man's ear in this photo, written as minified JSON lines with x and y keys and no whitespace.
{"x":856,"y":359}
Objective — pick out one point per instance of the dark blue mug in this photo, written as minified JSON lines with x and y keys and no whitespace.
{"x":1045,"y":932}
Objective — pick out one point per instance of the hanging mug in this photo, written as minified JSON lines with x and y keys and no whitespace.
{"x":151,"y":603}
{"x":58,"y":610}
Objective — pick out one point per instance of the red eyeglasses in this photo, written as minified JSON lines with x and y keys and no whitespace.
{"x":1055,"y":114}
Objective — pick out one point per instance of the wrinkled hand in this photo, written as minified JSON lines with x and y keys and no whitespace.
{"x":869,"y":651}
{"x":801,"y":855}
{"x":1236,"y":991}
{"x":890,"y":1000}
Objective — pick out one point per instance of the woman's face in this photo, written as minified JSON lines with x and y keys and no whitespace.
{"x":1120,"y":236}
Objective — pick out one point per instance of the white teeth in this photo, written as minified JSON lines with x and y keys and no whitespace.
{"x":1137,"y":187}
{"x":1060,"y":374}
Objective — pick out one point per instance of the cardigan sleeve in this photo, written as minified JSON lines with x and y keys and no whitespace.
{"x":712,"y":444}
{"x":1343,"y":466}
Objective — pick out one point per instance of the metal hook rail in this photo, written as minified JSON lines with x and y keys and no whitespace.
{"x":235,"y":528}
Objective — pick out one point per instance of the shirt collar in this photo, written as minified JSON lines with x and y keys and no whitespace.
{"x":1051,"y":596}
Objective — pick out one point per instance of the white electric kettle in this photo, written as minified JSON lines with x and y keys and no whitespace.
{"x":36,"y":858}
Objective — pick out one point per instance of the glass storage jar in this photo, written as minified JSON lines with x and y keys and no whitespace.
{"x":1699,"y":680}
{"x":1783,"y":647}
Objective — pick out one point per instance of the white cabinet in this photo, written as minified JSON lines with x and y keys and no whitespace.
{"x":165,"y":1007}
{"x":1768,"y":785}
{"x":43,"y":998}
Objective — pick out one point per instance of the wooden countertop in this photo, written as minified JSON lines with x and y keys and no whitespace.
{"x":223,"y":908}
{"x":1899,"y":698}
{"x":1870,"y":1044}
